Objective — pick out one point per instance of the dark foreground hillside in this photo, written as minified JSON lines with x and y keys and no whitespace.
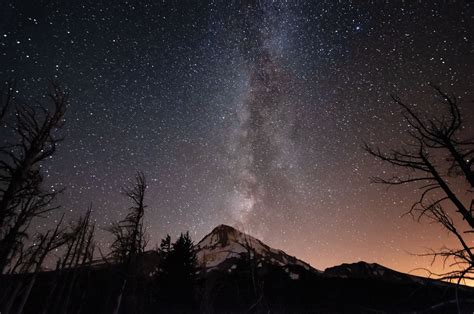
{"x":245,"y":289}
{"x":228,"y":271}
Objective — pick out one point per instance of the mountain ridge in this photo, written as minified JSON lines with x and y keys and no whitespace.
{"x":220,"y":250}
{"x":226,"y":243}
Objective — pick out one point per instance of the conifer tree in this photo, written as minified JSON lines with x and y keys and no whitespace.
{"x":177,"y":275}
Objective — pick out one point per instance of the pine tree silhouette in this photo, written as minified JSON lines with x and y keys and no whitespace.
{"x":177,"y":275}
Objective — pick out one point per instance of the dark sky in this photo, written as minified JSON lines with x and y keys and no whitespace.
{"x":249,"y":113}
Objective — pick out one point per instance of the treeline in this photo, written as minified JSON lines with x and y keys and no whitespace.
{"x":126,"y":279}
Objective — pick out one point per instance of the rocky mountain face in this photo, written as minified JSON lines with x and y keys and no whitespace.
{"x":225,"y":246}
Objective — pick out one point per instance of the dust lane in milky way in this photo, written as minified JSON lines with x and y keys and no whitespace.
{"x":249,"y":113}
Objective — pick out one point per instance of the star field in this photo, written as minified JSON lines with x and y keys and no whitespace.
{"x":249,"y":113}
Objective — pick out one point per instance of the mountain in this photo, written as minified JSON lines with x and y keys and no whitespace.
{"x":363,"y":270}
{"x":239,"y":273}
{"x":225,"y":246}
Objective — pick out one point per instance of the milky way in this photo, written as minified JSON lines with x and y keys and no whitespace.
{"x":250,"y":113}
{"x":262,"y":144}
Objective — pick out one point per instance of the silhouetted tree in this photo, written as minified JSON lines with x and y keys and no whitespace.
{"x":129,"y":234}
{"x":177,"y":273}
{"x":182,"y":259}
{"x":31,"y":261}
{"x":78,"y":254}
{"x":438,"y":154}
{"x":165,"y":246}
{"x":130,"y":241}
{"x":22,"y":196}
{"x":76,"y":242}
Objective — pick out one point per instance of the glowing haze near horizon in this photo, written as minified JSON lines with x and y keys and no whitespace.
{"x":248,"y":113}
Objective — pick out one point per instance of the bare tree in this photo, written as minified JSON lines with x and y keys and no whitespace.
{"x":78,"y":254}
{"x":30,"y":263}
{"x":22,"y":196}
{"x":438,"y":161}
{"x":130,"y":239}
{"x":129,"y":234}
{"x":77,"y":244}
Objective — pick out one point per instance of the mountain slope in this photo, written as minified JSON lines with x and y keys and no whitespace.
{"x":240,"y":273}
{"x":225,"y":246}
{"x":220,"y":249}
{"x":363,"y":270}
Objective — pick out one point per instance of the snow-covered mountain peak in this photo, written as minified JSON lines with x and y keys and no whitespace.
{"x":224,"y":244}
{"x":225,"y":236}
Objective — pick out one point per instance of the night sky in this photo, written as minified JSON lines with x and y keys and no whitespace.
{"x":248,"y":113}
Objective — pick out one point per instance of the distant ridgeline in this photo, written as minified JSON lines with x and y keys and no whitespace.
{"x":228,"y":271}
